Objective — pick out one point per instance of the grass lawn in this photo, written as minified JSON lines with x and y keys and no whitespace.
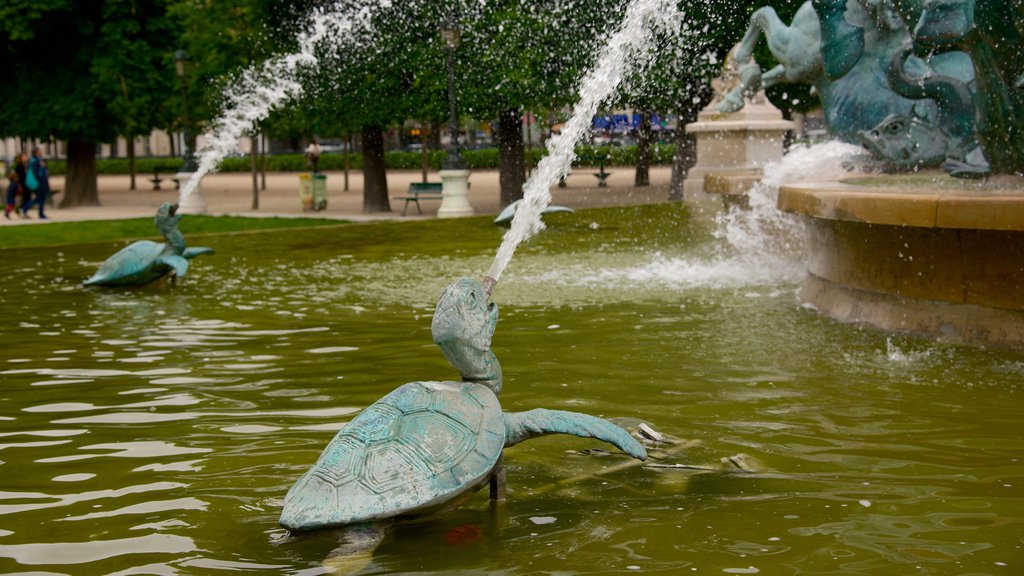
{"x":60,"y":233}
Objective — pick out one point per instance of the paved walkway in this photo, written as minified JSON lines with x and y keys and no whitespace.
{"x":231,"y":193}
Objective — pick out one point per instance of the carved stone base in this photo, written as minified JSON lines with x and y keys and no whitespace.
{"x":455,"y":194}
{"x":744,"y":140}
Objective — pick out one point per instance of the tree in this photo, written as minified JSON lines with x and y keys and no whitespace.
{"x":680,"y":74}
{"x":391,"y":70}
{"x":525,"y":54}
{"x":85,"y":72}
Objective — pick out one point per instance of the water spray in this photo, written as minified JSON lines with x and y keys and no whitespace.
{"x":628,"y":50}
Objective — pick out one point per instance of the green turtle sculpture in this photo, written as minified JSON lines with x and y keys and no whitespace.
{"x":427,"y":446}
{"x":145,"y":261}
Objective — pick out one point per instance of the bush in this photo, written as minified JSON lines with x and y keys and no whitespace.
{"x":483,"y":158}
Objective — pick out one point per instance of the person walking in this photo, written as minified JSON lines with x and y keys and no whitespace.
{"x":16,"y":188}
{"x":313,"y":153}
{"x":38,"y":175}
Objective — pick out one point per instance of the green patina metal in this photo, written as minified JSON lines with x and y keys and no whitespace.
{"x":145,"y":261}
{"x":991,"y":32}
{"x":426,"y":446}
{"x":909,"y":110}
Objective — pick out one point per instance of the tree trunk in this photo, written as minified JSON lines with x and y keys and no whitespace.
{"x":131,"y":163}
{"x":435,"y":134}
{"x":264,"y":144}
{"x":643,"y":151}
{"x":348,"y":156}
{"x":512,"y":163}
{"x":80,"y":185}
{"x":529,"y":144}
{"x":375,"y":178}
{"x":255,"y":152}
{"x":685,"y":155}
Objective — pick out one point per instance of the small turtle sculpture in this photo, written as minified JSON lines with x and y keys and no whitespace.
{"x":427,"y":446}
{"x":506,"y":215}
{"x":145,"y":261}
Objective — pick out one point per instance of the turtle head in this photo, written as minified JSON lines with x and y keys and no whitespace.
{"x":463,"y":326}
{"x":166,"y":220}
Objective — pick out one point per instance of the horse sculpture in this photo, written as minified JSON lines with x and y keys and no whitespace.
{"x":844,"y":49}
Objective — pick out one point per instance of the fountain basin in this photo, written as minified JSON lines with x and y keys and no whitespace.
{"x":186,"y":413}
{"x":916,"y":254}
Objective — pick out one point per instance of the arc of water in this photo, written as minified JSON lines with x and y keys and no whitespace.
{"x":261,"y":88}
{"x":626,"y":51}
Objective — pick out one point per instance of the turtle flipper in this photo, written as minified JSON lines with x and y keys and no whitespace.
{"x":179,"y":264}
{"x":191,"y":253}
{"x":355,"y":547}
{"x":521,"y":426}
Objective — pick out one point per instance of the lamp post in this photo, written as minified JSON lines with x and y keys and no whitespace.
{"x":193,"y":202}
{"x":450,"y":36}
{"x":454,"y":175}
{"x":180,"y":59}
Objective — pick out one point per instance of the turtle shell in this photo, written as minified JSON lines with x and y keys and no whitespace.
{"x":133,"y":264}
{"x":410,"y":453}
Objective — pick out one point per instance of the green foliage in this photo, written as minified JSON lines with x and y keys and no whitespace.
{"x":84,"y":70}
{"x":482,"y":159}
{"x":221,"y":38}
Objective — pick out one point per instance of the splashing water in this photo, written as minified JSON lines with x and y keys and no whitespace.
{"x":763,"y":231}
{"x":755,"y":246}
{"x":263,"y":87}
{"x":626,"y":51}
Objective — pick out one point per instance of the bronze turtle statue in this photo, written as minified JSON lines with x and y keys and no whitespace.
{"x":144,"y":261}
{"x":427,"y":446}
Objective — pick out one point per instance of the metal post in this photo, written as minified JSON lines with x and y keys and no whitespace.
{"x":454,"y":161}
{"x":454,"y":174}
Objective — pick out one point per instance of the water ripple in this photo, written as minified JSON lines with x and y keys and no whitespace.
{"x":85,"y":552}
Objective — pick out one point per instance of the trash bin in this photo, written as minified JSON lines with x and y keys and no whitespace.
{"x":313,"y":191}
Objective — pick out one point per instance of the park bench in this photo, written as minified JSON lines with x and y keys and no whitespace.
{"x":420,"y":191}
{"x":166,"y":169}
{"x":601,"y":174}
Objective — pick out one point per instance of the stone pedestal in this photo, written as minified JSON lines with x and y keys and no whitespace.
{"x":744,"y":140}
{"x":891,"y":252}
{"x":454,"y":194}
{"x":193,"y":203}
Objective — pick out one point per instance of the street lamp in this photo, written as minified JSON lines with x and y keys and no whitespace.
{"x":180,"y":59}
{"x":450,"y":35}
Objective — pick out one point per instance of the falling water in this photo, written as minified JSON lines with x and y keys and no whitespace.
{"x":263,"y":87}
{"x":760,"y":230}
{"x":754,"y":245}
{"x":626,"y":51}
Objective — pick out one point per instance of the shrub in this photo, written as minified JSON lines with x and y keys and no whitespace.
{"x":479,"y":159}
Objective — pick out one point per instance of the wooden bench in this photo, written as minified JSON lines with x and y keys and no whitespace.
{"x":156,"y":179}
{"x":601,"y":174}
{"x":420,"y":191}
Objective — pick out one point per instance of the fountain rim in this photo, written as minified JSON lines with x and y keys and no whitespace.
{"x":918,"y":206}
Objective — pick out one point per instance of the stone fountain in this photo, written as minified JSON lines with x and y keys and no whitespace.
{"x":924,"y":253}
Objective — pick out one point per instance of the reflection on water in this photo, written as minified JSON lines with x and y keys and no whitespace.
{"x":156,"y":430}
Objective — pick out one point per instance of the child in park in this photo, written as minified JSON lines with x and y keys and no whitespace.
{"x":16,"y":185}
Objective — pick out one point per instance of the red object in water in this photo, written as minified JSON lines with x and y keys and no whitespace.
{"x":463,"y":535}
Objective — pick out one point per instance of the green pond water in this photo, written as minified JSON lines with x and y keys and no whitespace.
{"x":156,"y":430}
